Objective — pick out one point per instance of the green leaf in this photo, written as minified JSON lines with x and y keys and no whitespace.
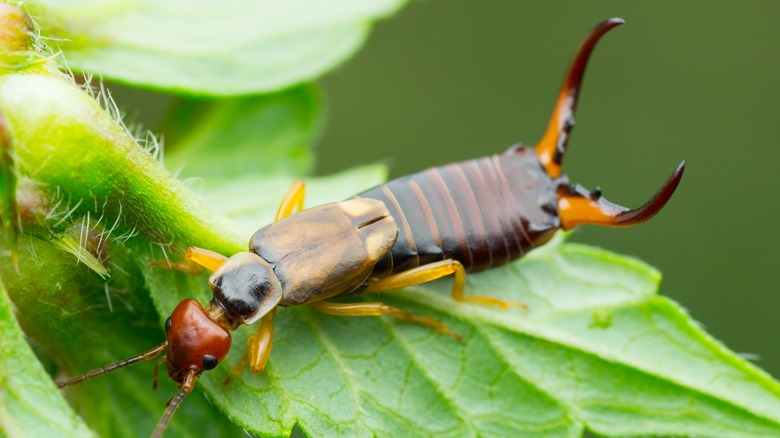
{"x":29,"y":402}
{"x":251,"y":201}
{"x":257,"y":135}
{"x":225,"y":48}
{"x":598,"y":350}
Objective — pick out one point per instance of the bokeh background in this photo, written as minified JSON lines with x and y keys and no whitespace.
{"x":447,"y":80}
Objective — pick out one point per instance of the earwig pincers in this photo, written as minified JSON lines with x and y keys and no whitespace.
{"x":448,"y":220}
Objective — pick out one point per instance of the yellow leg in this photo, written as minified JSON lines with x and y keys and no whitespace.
{"x":293,"y":200}
{"x":376,"y":309}
{"x":433,"y":271}
{"x":196,"y":258}
{"x":203,"y":257}
{"x":258,"y":348}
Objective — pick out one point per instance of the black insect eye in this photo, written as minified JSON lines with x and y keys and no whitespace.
{"x":209,"y":362}
{"x":168,"y":324}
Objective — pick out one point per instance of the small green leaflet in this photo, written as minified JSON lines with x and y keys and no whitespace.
{"x":29,"y":402}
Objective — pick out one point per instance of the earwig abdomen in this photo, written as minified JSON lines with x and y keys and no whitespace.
{"x":482,"y":213}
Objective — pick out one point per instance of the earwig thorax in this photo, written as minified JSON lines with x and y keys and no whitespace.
{"x":246,"y":287}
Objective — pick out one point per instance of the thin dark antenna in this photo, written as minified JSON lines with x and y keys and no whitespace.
{"x":151,"y":354}
{"x":175,"y":401}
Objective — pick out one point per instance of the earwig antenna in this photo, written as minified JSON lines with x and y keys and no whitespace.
{"x":577,"y":206}
{"x":151,"y":354}
{"x":552,"y":145}
{"x":175,"y":401}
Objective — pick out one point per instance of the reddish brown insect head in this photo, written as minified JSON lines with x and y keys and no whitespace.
{"x":195,"y":340}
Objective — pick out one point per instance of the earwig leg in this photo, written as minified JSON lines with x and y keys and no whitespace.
{"x":205,"y":258}
{"x":433,"y":271}
{"x":196,"y":258}
{"x":293,"y":200}
{"x":258,"y":348}
{"x":377,"y":309}
{"x":189,"y":268}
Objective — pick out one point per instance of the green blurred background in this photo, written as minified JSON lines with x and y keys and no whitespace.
{"x":448,"y":80}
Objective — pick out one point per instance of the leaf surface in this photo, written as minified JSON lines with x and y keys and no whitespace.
{"x":262,"y":135}
{"x":30,"y":405}
{"x":225,"y":48}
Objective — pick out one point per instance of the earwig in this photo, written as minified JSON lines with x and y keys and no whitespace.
{"x":448,"y":220}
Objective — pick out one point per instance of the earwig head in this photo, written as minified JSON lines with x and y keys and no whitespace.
{"x":575,"y":204}
{"x":196,"y":342}
{"x":246,"y":287}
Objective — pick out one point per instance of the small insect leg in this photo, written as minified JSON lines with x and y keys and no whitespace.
{"x":205,"y":258}
{"x":196,"y":258}
{"x":293,"y":200}
{"x":433,"y":271}
{"x":258,"y":348}
{"x":376,"y":309}
{"x":156,"y":374}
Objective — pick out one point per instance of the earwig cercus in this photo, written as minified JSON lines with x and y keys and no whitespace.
{"x":448,"y":220}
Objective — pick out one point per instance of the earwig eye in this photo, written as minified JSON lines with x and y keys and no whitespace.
{"x":168,"y":324}
{"x":209,"y":362}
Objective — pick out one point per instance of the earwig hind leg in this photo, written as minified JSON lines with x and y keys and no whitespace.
{"x":258,"y":348}
{"x":293,"y":200}
{"x":197,"y":258}
{"x":377,"y":309}
{"x":436,"y":270}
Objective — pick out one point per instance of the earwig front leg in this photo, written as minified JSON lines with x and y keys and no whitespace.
{"x":203,"y":257}
{"x":258,"y":348}
{"x":433,"y":271}
{"x":196,"y":258}
{"x":293,"y":200}
{"x":376,"y":309}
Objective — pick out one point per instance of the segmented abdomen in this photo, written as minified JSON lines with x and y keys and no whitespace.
{"x":482,"y":212}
